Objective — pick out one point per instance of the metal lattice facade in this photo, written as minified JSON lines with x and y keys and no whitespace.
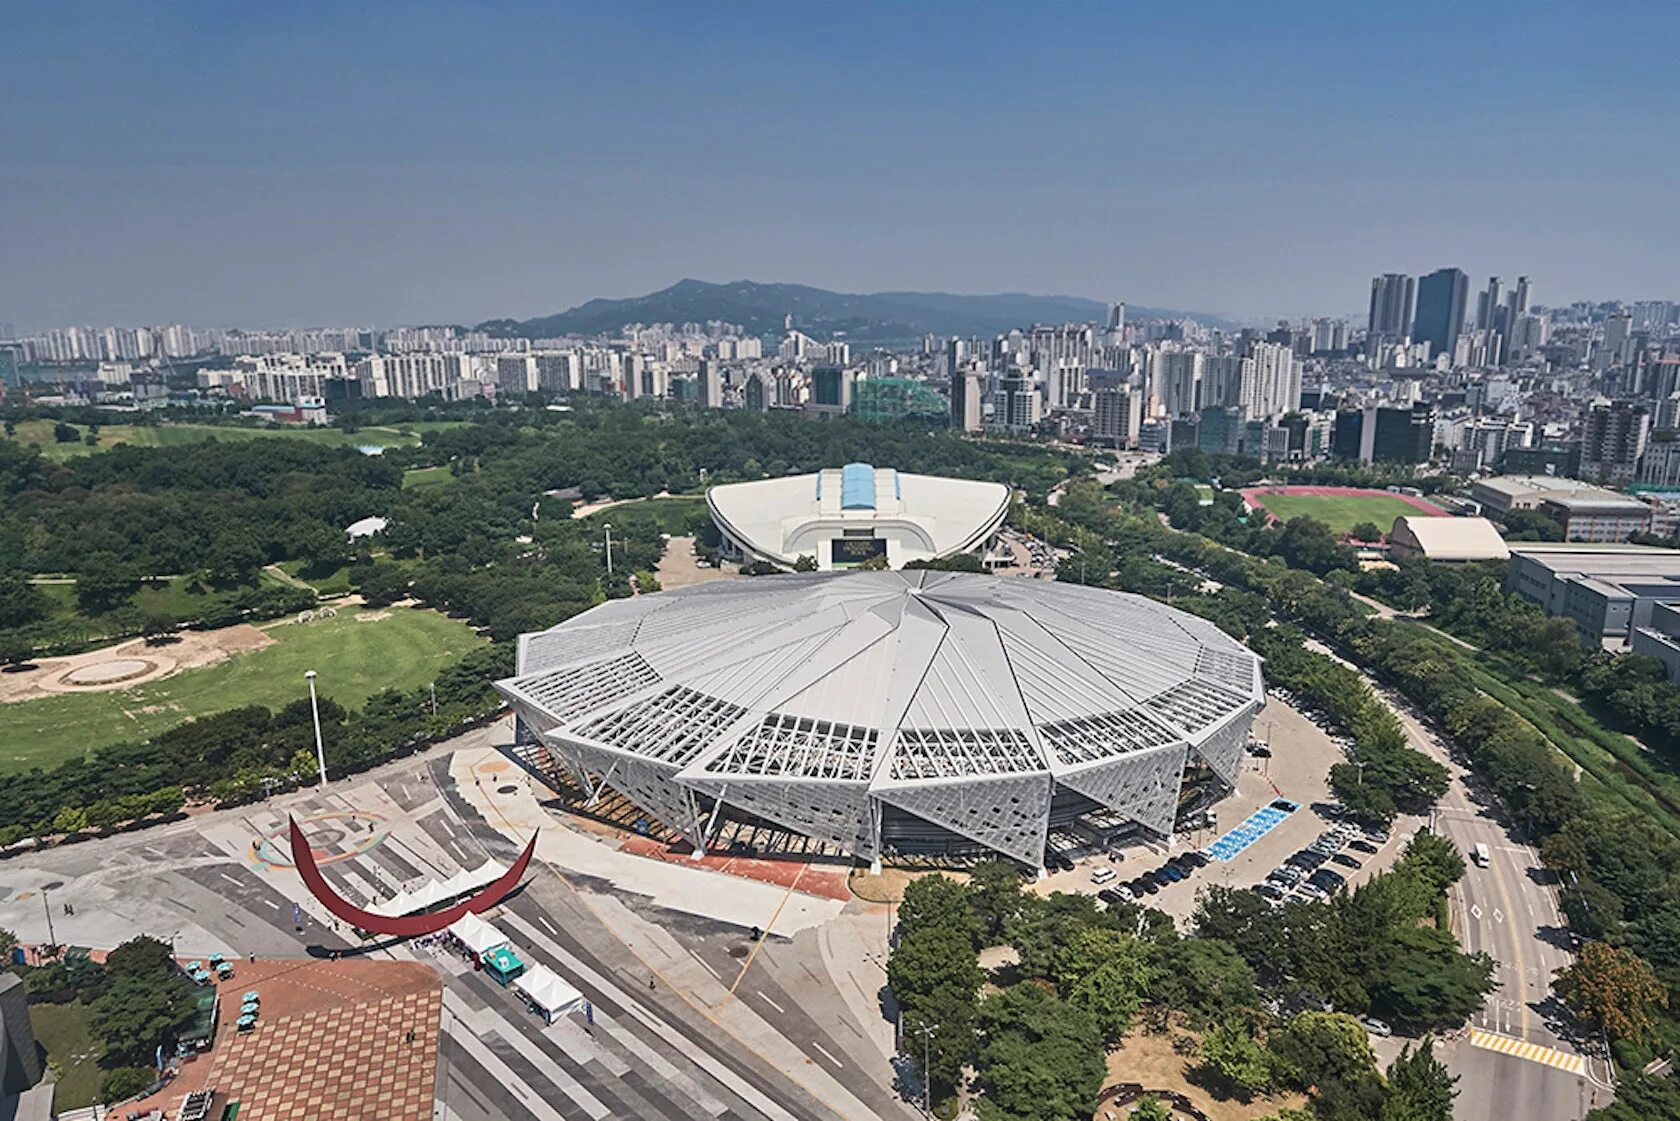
{"x":822,"y":703}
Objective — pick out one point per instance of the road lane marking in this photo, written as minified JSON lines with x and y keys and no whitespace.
{"x":228,"y":878}
{"x":770,"y":1002}
{"x":707,"y":966}
{"x":824,"y":1052}
{"x":1533,"y":1052}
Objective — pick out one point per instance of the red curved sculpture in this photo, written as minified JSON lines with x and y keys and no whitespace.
{"x":402,"y":926}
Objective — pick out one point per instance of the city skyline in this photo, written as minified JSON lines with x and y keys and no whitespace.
{"x":373,"y":169}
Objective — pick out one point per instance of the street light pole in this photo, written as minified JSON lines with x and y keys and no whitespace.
{"x":927,"y":1031}
{"x":46,"y":906}
{"x":608,"y":527}
{"x":315,"y":711}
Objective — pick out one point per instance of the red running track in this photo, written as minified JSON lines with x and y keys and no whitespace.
{"x":1251,"y":497}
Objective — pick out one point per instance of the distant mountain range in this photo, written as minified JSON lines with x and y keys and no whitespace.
{"x":762,"y":309}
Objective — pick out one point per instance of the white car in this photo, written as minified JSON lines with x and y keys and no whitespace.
{"x":1376,"y":1027}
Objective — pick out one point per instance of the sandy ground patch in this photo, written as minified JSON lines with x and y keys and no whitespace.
{"x":195,"y":649}
{"x":588,"y":508}
{"x":678,"y":568}
{"x":1150,"y":1059}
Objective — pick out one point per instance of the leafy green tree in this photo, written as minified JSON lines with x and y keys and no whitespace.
{"x":104,"y":583}
{"x":936,"y":900}
{"x":65,"y":433}
{"x":1614,"y":988}
{"x":15,"y":650}
{"x":1206,"y":980}
{"x":994,"y":894}
{"x":805,"y":563}
{"x":380,"y":583}
{"x":1231,"y":1055}
{"x":70,"y":819}
{"x":137,"y":1012}
{"x":1427,"y":982}
{"x":1315,"y":1049}
{"x":1420,"y":1087}
{"x":1040,"y":1058}
{"x":8,"y":943}
{"x":143,"y":956}
{"x":1436,"y":859}
{"x":1151,"y":1108}
{"x":1366,"y":531}
{"x":125,"y":1082}
{"x":21,"y":602}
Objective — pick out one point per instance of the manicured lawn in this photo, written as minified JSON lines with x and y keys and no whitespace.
{"x":438,"y":476}
{"x":1340,"y":512}
{"x":175,"y":435}
{"x":334,"y":583}
{"x":672,"y":512}
{"x":355,"y":659}
{"x":63,"y":1030}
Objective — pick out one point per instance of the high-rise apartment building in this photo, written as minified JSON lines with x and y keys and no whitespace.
{"x":1613,"y":438}
{"x":1271,"y":381}
{"x":1392,"y":296}
{"x":1117,"y":415}
{"x":1487,"y":306}
{"x":1441,"y":298}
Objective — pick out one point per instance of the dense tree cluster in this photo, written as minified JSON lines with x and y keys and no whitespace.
{"x":1085,"y":975}
{"x":1611,"y":839}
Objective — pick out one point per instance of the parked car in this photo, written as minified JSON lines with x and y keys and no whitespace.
{"x":1268,"y":891}
{"x":1327,"y":880}
{"x":1196,"y":859}
{"x":1375,"y":1026}
{"x":1150,"y":884}
{"x":1363,"y":846}
{"x":1172,"y":873}
{"x":1102,"y":874}
{"x":1260,"y":751}
{"x":1346,"y":860}
{"x":1288,"y":875}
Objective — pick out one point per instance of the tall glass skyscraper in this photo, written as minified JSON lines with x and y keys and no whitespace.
{"x":1441,"y":297}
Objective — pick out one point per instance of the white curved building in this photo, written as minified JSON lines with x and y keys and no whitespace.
{"x":843,"y":516}
{"x":880,"y":711}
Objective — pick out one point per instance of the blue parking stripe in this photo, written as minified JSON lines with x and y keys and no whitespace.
{"x":1251,"y":829}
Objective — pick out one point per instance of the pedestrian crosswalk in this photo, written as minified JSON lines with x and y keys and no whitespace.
{"x":1533,"y":1052}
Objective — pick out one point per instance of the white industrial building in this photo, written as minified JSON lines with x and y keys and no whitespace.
{"x":841,"y":517}
{"x":916,"y":712}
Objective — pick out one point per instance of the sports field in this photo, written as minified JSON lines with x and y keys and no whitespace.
{"x":174,"y":435}
{"x":356,"y":654}
{"x":1340,"y":511}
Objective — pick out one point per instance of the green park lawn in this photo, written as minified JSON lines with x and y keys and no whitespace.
{"x":673,"y":512}
{"x":416,"y":477}
{"x":1340,"y":513}
{"x":65,"y":1031}
{"x":175,"y":435}
{"x":335,"y":582}
{"x":355,"y":660}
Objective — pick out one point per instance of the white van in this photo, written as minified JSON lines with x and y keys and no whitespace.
{"x":1102,"y":875}
{"x":1481,"y":855}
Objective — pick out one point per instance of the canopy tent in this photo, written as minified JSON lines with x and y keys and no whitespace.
{"x":548,"y":991}
{"x":412,"y":900}
{"x":503,"y":965}
{"x":477,"y":935}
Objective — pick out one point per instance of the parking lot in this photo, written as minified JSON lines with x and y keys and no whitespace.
{"x":1296,"y":773}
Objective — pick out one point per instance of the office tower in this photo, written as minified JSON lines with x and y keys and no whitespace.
{"x":1613,"y":438}
{"x":1391,"y":305}
{"x":1116,"y":317}
{"x":756,"y":395}
{"x":1117,"y":415}
{"x":967,"y":388}
{"x":710,"y":384}
{"x":1487,"y":306}
{"x":10,"y":377}
{"x":1651,"y":317}
{"x":1222,"y":379}
{"x":1441,"y":298}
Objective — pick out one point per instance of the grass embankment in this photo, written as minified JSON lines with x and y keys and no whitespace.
{"x":66,"y":1033}
{"x":1340,"y":512}
{"x":1616,"y":764}
{"x":356,"y":655}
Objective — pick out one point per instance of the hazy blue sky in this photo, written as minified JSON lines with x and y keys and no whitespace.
{"x":294,"y":163}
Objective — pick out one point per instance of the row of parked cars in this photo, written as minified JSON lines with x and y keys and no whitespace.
{"x":1175,"y":869}
{"x":1308,"y":874}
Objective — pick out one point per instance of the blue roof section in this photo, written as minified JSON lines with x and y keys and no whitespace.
{"x":857,"y":487}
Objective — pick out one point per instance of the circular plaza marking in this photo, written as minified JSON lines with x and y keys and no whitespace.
{"x":108,"y":673}
{"x":272,"y":851}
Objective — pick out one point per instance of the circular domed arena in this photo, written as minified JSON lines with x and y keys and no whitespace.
{"x":925,"y":713}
